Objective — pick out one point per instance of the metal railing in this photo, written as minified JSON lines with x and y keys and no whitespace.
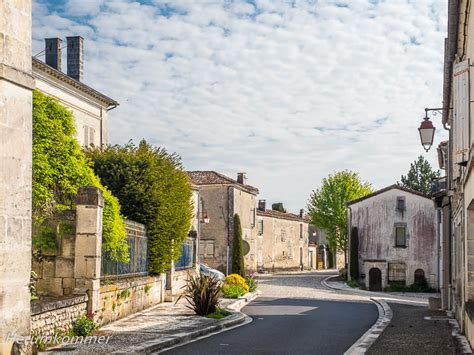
{"x":138,"y":252}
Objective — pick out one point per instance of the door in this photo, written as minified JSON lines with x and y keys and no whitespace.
{"x":375,"y":279}
{"x":311,"y":259}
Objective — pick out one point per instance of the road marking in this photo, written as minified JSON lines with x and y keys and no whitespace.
{"x":260,"y":318}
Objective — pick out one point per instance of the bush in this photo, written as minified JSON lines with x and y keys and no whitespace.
{"x":353,"y":283}
{"x":343,"y":273}
{"x":153,"y":189}
{"x":238,"y":266}
{"x":232,"y":291}
{"x":251,"y":283}
{"x":83,"y":326}
{"x":202,"y":292}
{"x":234,"y":279}
{"x":219,"y":313}
{"x":60,"y":168}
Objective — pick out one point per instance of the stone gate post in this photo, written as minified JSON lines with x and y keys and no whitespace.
{"x":88,"y":245}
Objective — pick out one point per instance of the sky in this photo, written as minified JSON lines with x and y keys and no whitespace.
{"x":286,"y":91}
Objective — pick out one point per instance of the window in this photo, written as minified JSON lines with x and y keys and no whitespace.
{"x":260,"y":227}
{"x":207,"y":248}
{"x":401,"y":203}
{"x":396,"y":273}
{"x":253,"y":216}
{"x":88,"y":136}
{"x":301,"y":230}
{"x":400,"y":236}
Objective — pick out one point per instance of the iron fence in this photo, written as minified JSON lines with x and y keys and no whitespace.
{"x":137,"y":249}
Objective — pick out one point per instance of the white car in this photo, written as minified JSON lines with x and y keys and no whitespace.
{"x":209,"y":271}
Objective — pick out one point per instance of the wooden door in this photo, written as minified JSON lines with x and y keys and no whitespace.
{"x":375,"y":279}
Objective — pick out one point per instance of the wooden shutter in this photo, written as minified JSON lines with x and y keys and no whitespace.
{"x":86,"y":136}
{"x":461,"y":126}
{"x":91,"y":135}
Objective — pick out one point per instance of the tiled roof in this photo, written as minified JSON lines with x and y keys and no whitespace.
{"x":282,"y":215}
{"x":388,"y":188}
{"x":213,"y":178}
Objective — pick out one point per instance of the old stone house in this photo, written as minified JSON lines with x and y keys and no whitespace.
{"x":221,"y":197}
{"x":89,"y":107}
{"x":283,"y":240}
{"x":397,"y":237}
{"x":454,"y":193}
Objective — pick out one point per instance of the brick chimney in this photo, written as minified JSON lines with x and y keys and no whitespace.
{"x":75,"y":57}
{"x":53,"y":52}
{"x":262,"y":205}
{"x":241,"y":178}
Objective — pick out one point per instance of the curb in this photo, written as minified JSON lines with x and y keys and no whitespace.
{"x":370,"y":336}
{"x":456,"y":333}
{"x":235,"y":320}
{"x":325,"y":284}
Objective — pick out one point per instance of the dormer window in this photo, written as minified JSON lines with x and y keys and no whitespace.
{"x":401,"y":203}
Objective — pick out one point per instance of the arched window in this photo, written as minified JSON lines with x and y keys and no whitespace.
{"x":419,"y":276}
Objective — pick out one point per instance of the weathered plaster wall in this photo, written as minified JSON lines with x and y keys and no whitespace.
{"x":124,"y":297}
{"x":16,"y":84}
{"x":281,"y":243}
{"x":48,"y":317}
{"x":375,"y":219}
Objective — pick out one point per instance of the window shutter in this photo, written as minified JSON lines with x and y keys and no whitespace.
{"x":461,"y":127}
{"x":91,"y":135}
{"x":86,"y":136}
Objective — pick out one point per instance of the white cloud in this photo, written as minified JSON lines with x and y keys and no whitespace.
{"x":288,"y":93}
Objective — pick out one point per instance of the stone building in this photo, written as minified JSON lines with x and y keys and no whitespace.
{"x":222,"y":197}
{"x":282,"y":240}
{"x":89,"y":107}
{"x":454,"y":193}
{"x":16,"y":85}
{"x":397,"y":237}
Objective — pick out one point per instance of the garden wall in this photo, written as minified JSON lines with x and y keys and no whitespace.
{"x":124,"y":297}
{"x":50,"y":316}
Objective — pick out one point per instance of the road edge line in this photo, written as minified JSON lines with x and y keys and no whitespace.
{"x":371,"y":335}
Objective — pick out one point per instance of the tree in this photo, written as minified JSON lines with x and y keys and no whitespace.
{"x":419,"y":176}
{"x":60,"y":168}
{"x":238,"y":266}
{"x":327,"y":206}
{"x":278,"y":207}
{"x":354,"y":256}
{"x":153,"y":189}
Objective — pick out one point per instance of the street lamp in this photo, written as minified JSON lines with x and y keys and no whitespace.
{"x":427,"y":131}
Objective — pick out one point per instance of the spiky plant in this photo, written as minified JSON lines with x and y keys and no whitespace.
{"x":202,"y":293}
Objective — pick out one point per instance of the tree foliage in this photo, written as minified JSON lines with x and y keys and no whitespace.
{"x":327,"y":205}
{"x":153,"y":189}
{"x":60,"y":168}
{"x":419,"y":176}
{"x":238,"y":266}
{"x":278,"y":207}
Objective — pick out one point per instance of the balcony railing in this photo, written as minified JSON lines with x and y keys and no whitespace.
{"x":439,"y":185}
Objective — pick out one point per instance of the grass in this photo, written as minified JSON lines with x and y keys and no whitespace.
{"x":219,"y":314}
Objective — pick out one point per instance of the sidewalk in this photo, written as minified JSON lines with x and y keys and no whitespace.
{"x":157,"y":328}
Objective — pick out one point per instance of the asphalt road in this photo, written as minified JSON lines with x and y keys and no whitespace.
{"x":295,"y":315}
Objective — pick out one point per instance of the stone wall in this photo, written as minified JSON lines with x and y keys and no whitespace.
{"x":16,"y":84}
{"x":50,"y":316}
{"x":120,"y":298}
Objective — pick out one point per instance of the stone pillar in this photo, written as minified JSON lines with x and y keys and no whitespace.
{"x":88,"y":245}
{"x":16,"y":84}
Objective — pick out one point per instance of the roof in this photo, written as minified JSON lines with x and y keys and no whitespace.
{"x":38,"y":65}
{"x":282,"y":215}
{"x":213,"y":178}
{"x":388,"y":188}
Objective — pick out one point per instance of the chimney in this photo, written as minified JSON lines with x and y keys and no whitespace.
{"x":75,"y":57}
{"x":53,"y":52}
{"x":301,"y":213}
{"x":262,"y":205}
{"x":241,"y":178}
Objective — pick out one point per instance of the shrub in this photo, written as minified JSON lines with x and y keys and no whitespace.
{"x":219,"y":313}
{"x":354,"y":256}
{"x":353,"y":283}
{"x":234,"y":279}
{"x":343,"y":273}
{"x":153,"y":189}
{"x":60,"y":168}
{"x":251,"y":283}
{"x":232,"y":291}
{"x":238,"y":266}
{"x":83,"y":326}
{"x":202,"y":292}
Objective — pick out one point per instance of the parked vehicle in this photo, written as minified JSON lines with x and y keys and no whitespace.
{"x":209,"y":271}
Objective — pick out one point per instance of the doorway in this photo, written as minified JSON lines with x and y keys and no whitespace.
{"x":375,"y":279}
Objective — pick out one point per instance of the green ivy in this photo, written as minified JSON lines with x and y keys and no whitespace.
{"x":153,"y":189}
{"x":60,"y":168}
